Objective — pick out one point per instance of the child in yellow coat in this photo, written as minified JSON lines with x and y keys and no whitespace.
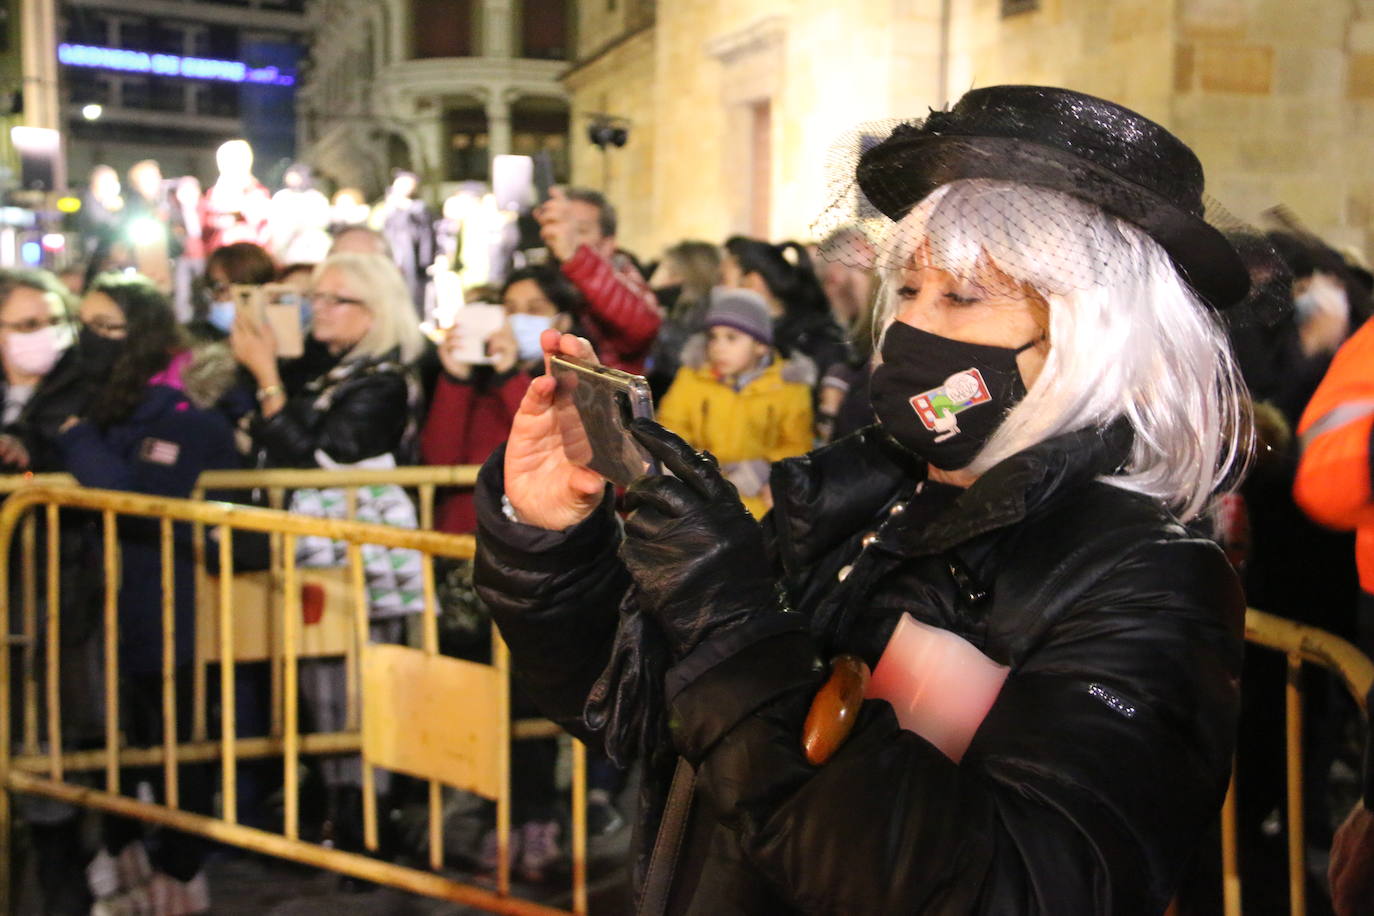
{"x":739,"y":400}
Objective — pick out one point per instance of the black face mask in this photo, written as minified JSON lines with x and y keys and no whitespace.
{"x":98,"y":354}
{"x":943,"y":399}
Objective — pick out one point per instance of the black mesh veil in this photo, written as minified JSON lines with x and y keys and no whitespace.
{"x":1007,"y":215}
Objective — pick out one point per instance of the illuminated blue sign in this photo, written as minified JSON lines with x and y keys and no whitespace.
{"x":197,"y":68}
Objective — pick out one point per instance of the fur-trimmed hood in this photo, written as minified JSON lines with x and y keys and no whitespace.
{"x":207,"y":374}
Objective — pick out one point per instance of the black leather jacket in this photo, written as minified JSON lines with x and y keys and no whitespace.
{"x":353,"y":411}
{"x":1088,"y":785}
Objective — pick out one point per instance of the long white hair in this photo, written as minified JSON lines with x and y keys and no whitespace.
{"x":1127,"y":336}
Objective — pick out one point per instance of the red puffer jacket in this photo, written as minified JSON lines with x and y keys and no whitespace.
{"x":467,"y":421}
{"x":622,"y":316}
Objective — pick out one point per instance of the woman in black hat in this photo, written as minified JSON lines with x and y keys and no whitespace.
{"x":1049,"y":723}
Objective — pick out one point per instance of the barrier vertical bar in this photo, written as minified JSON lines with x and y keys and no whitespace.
{"x":579,"y":827}
{"x":426,"y":507}
{"x":54,"y":647}
{"x":352,"y":678}
{"x":1297,"y":848}
{"x":6,"y":852}
{"x":198,"y":686}
{"x":30,"y":624}
{"x":1230,"y":859}
{"x":169,"y":669}
{"x":501,"y":659}
{"x":291,"y":611}
{"x":430,"y":628}
{"x":276,"y":498}
{"x":359,"y":588}
{"x":111,"y":545}
{"x":227,"y":647}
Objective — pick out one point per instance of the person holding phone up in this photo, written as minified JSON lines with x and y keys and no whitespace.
{"x":473,"y":403}
{"x":1056,"y":401}
{"x":621,"y":316}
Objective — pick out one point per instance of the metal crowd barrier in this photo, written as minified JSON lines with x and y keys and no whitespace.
{"x":1299,"y":644}
{"x":379,"y":665}
{"x":410,"y":710}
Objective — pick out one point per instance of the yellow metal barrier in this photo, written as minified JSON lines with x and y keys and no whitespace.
{"x":447,"y":743}
{"x":1299,"y":644}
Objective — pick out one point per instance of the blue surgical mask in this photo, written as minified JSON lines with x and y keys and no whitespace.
{"x":527,"y":329}
{"x":221,"y":315}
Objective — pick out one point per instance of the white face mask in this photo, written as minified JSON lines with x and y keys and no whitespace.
{"x":36,"y":352}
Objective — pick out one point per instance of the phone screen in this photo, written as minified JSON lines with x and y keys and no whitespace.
{"x":593,"y":408}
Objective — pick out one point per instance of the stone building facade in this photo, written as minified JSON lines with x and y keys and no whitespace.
{"x":732,"y":104}
{"x":433,"y":86}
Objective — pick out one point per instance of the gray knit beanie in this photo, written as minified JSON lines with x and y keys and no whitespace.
{"x":742,"y":310}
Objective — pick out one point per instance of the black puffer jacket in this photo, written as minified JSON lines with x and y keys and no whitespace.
{"x":357,"y":409}
{"x":1085,"y":790}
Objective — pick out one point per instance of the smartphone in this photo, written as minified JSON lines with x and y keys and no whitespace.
{"x":593,"y":406}
{"x":282,"y":312}
{"x":512,"y":182}
{"x":476,"y":322}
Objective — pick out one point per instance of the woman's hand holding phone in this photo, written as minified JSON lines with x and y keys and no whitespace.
{"x":543,"y":486}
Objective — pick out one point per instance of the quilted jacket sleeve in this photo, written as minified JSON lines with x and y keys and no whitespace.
{"x":554,"y":594}
{"x":623,"y":308}
{"x":1085,"y":789}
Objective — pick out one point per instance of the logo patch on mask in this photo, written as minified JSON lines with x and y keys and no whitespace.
{"x":939,"y":407}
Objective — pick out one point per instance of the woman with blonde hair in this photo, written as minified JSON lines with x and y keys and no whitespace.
{"x":359,"y":398}
{"x":352,"y":399}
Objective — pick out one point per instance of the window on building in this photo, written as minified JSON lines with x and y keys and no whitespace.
{"x":133,"y":33}
{"x":166,"y":94}
{"x":84,"y":87}
{"x":469,"y":144}
{"x":1013,"y":7}
{"x":86,"y":27}
{"x":544,"y":29}
{"x":539,"y":129}
{"x":164,"y":39}
{"x":222,"y":42}
{"x":134,"y":92}
{"x":442,"y":28}
{"x":220,"y":100}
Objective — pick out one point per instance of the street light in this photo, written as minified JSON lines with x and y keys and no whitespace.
{"x":92,"y":111}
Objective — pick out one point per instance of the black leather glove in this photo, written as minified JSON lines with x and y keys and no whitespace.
{"x":694,"y":551}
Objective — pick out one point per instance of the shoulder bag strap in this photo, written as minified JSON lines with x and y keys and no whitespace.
{"x":663,"y":862}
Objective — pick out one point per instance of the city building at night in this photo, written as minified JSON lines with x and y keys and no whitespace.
{"x":172,"y":79}
{"x":434,"y":86}
{"x":739,"y":101}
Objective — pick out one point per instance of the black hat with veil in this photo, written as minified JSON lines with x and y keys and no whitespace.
{"x":1085,"y":149}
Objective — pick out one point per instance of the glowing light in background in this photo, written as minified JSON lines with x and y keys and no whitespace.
{"x":199,"y":68}
{"x":31,"y":252}
{"x":92,"y":111}
{"x":54,"y":241}
{"x":146,"y":231}
{"x":68,"y":204}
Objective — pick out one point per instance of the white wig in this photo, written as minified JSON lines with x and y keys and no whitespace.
{"x":1127,"y":337}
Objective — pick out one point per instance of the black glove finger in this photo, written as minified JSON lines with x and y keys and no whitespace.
{"x":666,"y":495}
{"x":698,"y":470}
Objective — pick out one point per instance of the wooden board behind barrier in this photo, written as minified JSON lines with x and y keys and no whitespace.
{"x":433,"y":717}
{"x":258,"y":605}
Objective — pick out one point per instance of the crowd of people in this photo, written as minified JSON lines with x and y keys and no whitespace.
{"x":139,"y":367}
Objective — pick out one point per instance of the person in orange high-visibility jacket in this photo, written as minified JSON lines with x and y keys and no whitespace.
{"x":1333,"y":487}
{"x":1333,"y":479}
